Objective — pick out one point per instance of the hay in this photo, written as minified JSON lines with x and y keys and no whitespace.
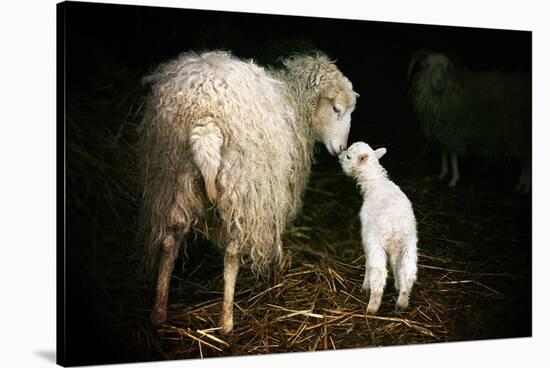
{"x":474,"y":261}
{"x":316,"y":301}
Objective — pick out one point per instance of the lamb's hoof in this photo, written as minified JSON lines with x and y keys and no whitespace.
{"x":158,"y":317}
{"x":401,"y":306}
{"x":452,"y":183}
{"x":371,"y":309}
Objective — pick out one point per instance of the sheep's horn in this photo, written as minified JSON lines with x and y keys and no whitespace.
{"x":417,"y":56}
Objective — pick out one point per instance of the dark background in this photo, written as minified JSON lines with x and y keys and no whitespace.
{"x":374,"y":55}
{"x":105,"y":39}
{"x":105,"y":51}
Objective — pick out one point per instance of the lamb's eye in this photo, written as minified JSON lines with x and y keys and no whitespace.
{"x":336,"y":109}
{"x":347,"y":156}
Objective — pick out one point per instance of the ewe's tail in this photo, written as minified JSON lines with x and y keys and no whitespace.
{"x":206,"y":140}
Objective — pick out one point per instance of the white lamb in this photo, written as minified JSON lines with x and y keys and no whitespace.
{"x":388,"y":225}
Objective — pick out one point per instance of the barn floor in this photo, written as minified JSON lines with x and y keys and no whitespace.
{"x":474,"y":278}
{"x":473,"y":282}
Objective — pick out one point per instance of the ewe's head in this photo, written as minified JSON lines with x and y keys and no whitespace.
{"x":332,"y":114}
{"x":436,"y":70}
{"x":330,"y":96}
{"x":360,"y":158}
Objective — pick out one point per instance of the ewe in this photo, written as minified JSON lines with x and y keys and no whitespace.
{"x":226,"y":148}
{"x":482,"y":113}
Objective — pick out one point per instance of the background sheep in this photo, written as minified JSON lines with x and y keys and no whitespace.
{"x":227,"y":150}
{"x":387,"y":226}
{"x":482,"y":113}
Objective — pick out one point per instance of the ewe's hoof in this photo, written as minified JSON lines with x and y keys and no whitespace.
{"x":522,"y":188}
{"x":227,"y":325}
{"x":441,"y":176}
{"x":227,"y":329}
{"x":158,"y":317}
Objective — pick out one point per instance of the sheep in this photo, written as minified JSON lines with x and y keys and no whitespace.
{"x":483,"y":113}
{"x":226,"y":147}
{"x":388,"y":226}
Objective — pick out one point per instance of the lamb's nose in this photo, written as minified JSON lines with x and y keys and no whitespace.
{"x":342,"y":148}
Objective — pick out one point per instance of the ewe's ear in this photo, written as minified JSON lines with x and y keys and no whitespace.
{"x":380,"y":152}
{"x":362,"y":159}
{"x":330,"y":91}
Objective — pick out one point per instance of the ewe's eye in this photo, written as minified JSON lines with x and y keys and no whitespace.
{"x":347,"y":156}
{"x":336,"y":109}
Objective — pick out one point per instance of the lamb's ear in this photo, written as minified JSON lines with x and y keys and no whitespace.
{"x":362,"y":159}
{"x":380,"y":152}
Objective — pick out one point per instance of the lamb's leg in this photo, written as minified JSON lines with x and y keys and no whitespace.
{"x":365,"y":286}
{"x":406,"y":273}
{"x":168,"y":255}
{"x":394,"y":261}
{"x":444,"y":165}
{"x":454,"y":167}
{"x":377,"y":273}
{"x":230,"y":271}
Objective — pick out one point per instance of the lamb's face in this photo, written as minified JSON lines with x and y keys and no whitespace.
{"x":359,"y":156}
{"x":332,"y":117}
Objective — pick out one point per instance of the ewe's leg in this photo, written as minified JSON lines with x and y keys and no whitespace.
{"x":230,"y":271}
{"x":454,"y":167}
{"x":527,"y":180}
{"x":444,"y":165}
{"x":524,"y":184}
{"x":521,"y":182}
{"x":377,"y":273}
{"x":168,"y":255}
{"x":407,"y":273}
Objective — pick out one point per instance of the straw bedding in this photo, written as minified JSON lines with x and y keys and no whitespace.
{"x":474,"y":260}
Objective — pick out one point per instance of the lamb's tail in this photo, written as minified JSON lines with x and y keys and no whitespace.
{"x":206,"y":140}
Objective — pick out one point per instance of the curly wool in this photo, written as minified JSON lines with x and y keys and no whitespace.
{"x":262,"y":119}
